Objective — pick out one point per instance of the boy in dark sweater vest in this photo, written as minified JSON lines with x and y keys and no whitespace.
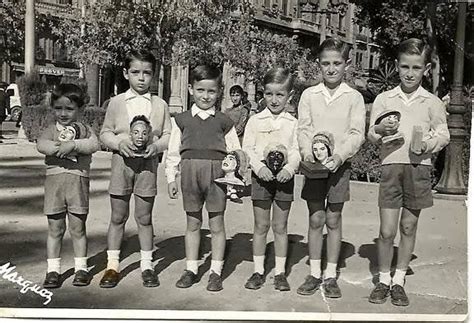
{"x":200,"y":139}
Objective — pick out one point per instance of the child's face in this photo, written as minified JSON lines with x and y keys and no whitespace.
{"x":205,"y":93}
{"x":277,"y":96}
{"x":65,"y":111}
{"x":411,"y":69}
{"x":139,"y":134}
{"x":333,"y":66}
{"x":236,"y":98}
{"x":139,"y":75}
{"x":229,"y":164}
{"x":320,"y":151}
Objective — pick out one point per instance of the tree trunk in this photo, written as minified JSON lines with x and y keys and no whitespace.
{"x":430,"y":25}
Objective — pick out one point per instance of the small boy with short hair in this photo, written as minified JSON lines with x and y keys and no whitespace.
{"x":133,"y":171}
{"x":405,"y":181}
{"x":333,"y":107}
{"x":200,"y":140}
{"x":238,"y":112}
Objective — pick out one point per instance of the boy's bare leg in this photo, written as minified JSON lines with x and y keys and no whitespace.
{"x":120,"y":212}
{"x":334,"y":228}
{"x":408,"y":227}
{"x":218,"y":240}
{"x":317,"y":219}
{"x":281,"y":210}
{"x":261,"y":211}
{"x":192,"y":237}
{"x":143,"y":208}
{"x":77,"y":230}
{"x":388,"y":231}
{"x":56,"y":229}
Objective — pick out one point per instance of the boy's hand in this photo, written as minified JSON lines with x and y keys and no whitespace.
{"x":333,"y":163}
{"x":387,"y":127}
{"x":309,"y":158}
{"x":126,"y":148}
{"x":423,"y":149}
{"x":283,"y":176}
{"x":173,"y":190}
{"x":151,"y":151}
{"x":265,"y":174}
{"x":65,"y":148}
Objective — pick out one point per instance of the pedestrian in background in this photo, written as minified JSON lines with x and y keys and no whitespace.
{"x":133,"y":173}
{"x":405,"y":182}
{"x":238,"y":112}
{"x":66,"y":187}
{"x":335,"y":108}
{"x":200,"y":140}
{"x":4,"y":105}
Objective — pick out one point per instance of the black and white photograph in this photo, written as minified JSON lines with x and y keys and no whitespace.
{"x":235,"y":160}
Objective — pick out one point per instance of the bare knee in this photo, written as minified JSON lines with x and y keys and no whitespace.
{"x":317,"y":221}
{"x":57,"y":231}
{"x":77,"y":231}
{"x":408,"y":228}
{"x":119,"y":219}
{"x":333,"y":221}
{"x":143,"y":220}
{"x":261,"y":227}
{"x":387,"y":234}
{"x":193,"y":223}
{"x":279,"y":228}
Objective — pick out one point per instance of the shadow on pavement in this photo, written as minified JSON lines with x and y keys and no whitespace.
{"x":369,"y":251}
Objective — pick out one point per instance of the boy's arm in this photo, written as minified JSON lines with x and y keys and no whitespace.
{"x":107,"y":133}
{"x":240,"y":126}
{"x":355,"y":137}
{"x":248,"y":145}
{"x":46,"y":143}
{"x":232,"y":140}
{"x":87,"y":146}
{"x":294,"y":156}
{"x":439,"y":133}
{"x":377,"y":107}
{"x":162,"y":142}
{"x":305,"y":127}
{"x":173,"y":158}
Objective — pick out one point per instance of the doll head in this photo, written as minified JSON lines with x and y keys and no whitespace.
{"x":68,"y":133}
{"x":140,"y":131}
{"x":276,"y":156}
{"x":236,"y":161}
{"x":323,"y":146}
{"x":392,"y":115}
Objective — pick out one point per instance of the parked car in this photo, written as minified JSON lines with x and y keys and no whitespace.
{"x":15,"y":103}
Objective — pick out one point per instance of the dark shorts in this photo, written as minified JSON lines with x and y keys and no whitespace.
{"x":133,"y":175}
{"x":274,"y":190}
{"x":198,"y":186}
{"x":66,"y":192}
{"x":335,"y":188}
{"x":405,"y":185}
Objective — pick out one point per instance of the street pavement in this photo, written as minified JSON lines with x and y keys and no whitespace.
{"x":437,"y":284}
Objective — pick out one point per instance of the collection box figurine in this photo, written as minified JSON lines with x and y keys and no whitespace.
{"x":396,"y":137}
{"x":140,"y":134}
{"x":416,"y":140}
{"x":322,"y":147}
{"x":235,"y":166}
{"x":77,"y":130}
{"x":276,"y":156}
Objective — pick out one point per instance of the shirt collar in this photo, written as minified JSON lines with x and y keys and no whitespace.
{"x":131,"y":94}
{"x":196,"y":110}
{"x":343,"y":88}
{"x":266,"y":113}
{"x":420,"y":92}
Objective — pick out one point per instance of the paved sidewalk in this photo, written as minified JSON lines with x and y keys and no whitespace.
{"x":437,"y":285}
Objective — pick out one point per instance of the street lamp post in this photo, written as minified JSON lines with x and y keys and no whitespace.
{"x":451,"y":181}
{"x":29,"y":37}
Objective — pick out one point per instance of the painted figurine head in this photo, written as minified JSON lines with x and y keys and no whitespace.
{"x":140,"y":131}
{"x":323,"y":146}
{"x":68,"y":133}
{"x":236,"y":161}
{"x":276,"y":156}
{"x":393,"y":115}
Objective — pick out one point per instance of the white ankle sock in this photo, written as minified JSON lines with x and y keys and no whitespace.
{"x":280,"y":265}
{"x":192,"y":265}
{"x":315,"y":267}
{"x":80,"y":263}
{"x":54,"y":264}
{"x":330,"y":271}
{"x":399,"y":277}
{"x":216,"y":266}
{"x":385,"y":278}
{"x":113,"y":260}
{"x":145,"y":262}
{"x":258,"y":262}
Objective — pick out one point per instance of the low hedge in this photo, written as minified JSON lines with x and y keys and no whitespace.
{"x":37,"y":117}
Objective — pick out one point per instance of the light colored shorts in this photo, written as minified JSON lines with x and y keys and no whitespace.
{"x":133,"y":175}
{"x":274,"y":190}
{"x":66,"y":192}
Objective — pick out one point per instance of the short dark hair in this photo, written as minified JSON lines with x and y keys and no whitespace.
{"x":414,"y":46}
{"x":141,"y":118}
{"x":139,"y":55}
{"x":206,"y":72}
{"x":279,"y":75}
{"x":336,"y":45}
{"x":237,"y":89}
{"x":70,"y":91}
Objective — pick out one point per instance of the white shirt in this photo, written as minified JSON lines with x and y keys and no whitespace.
{"x":264,"y":128}
{"x":137,"y":104}
{"x":173,"y":157}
